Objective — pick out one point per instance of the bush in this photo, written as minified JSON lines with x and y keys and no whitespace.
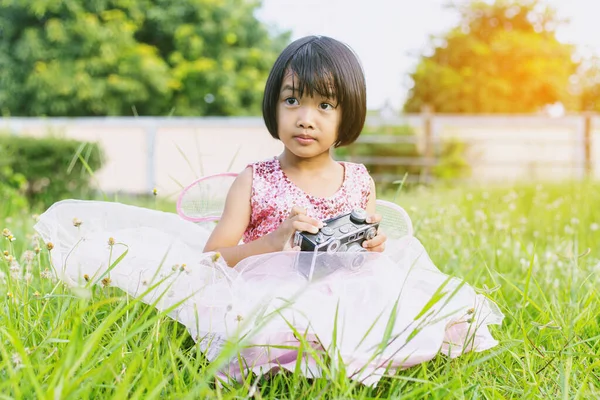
{"x":48,"y":169}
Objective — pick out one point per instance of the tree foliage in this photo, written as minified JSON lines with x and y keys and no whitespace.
{"x":586,"y":85}
{"x":503,"y":57}
{"x":118,"y":57}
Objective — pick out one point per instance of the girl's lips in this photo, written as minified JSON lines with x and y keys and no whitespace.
{"x":304,"y":139}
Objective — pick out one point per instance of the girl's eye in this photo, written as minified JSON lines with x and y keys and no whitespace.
{"x":326,"y":106}
{"x":291,"y":101}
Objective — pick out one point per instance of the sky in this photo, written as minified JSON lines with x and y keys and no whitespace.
{"x":390,"y":35}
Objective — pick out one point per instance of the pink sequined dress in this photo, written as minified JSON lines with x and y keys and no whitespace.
{"x":397,"y":310}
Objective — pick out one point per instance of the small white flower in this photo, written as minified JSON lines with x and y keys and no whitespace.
{"x":594,"y":227}
{"x":575,"y":221}
{"x":17,"y":360}
{"x":28,"y":256}
{"x":28,"y":277}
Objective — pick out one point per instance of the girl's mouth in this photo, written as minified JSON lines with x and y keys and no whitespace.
{"x":304,"y":139}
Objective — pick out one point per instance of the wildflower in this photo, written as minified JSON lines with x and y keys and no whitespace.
{"x":155,"y":191}
{"x":470,"y":311}
{"x":49,"y":246}
{"x":17,"y":360}
{"x":6,"y":232}
{"x":9,"y":295}
{"x":11,"y":238}
{"x":594,"y":227}
{"x":6,"y":253}
{"x":106,"y":281}
{"x":77,"y":222}
{"x":86,"y":277}
{"x":9,"y":258}
{"x":111,"y":241}
{"x":15,"y":270}
{"x":37,"y":250}
{"x":175,"y":267}
{"x":185,"y":268}
{"x":37,"y":294}
{"x":470,"y":321}
{"x":35,"y":239}
{"x":46,"y":274}
{"x":28,"y":277}
{"x":28,"y":256}
{"x":239,"y":318}
{"x":216,"y":257}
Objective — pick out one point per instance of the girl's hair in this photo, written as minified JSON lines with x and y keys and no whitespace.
{"x":327,"y":67}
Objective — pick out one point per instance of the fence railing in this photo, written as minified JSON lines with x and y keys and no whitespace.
{"x":147,"y":152}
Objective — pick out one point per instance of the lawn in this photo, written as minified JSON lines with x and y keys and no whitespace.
{"x":533,"y":249}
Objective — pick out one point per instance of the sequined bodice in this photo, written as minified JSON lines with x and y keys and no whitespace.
{"x":274,"y":195}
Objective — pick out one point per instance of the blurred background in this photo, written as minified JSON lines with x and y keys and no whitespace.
{"x":144,"y":96}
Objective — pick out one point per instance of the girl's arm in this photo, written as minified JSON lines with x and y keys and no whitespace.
{"x":236,"y":217}
{"x":376,"y":244}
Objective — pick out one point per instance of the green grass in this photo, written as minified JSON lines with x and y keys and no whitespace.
{"x":532,"y":248}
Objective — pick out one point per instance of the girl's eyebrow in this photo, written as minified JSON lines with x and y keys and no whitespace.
{"x":287,"y":87}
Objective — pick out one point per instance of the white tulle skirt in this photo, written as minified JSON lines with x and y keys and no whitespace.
{"x":380,"y":313}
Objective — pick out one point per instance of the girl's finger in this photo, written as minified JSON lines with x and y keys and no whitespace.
{"x":304,"y":227}
{"x":308,"y":220}
{"x":372,"y":219}
{"x":296,"y":210}
{"x":376,"y":241}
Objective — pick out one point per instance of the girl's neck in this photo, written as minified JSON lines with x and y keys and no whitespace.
{"x":290,"y":161}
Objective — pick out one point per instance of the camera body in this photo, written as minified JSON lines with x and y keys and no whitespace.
{"x":344,"y":233}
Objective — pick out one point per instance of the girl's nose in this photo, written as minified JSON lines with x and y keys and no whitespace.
{"x":305,"y":118}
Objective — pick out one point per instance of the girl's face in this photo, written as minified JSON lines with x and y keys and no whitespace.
{"x":307,"y":126}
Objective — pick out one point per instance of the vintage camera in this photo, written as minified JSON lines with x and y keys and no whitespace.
{"x":344,"y":233}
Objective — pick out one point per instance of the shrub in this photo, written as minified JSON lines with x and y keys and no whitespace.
{"x":48,"y":169}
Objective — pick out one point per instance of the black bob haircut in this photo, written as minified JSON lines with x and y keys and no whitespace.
{"x":329,"y":68}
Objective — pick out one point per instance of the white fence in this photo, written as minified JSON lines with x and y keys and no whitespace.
{"x":164,"y":153}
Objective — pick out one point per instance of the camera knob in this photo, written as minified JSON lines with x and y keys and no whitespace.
{"x":371,"y":233}
{"x":358,"y":216}
{"x":327,"y":231}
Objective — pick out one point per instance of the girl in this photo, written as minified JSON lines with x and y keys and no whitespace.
{"x":315,"y":99}
{"x":396,"y":311}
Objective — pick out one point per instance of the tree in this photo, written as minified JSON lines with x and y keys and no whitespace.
{"x":119,"y":57}
{"x":586,"y":85}
{"x":502,"y":58}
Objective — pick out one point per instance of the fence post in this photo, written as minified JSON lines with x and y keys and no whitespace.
{"x":587,"y":144}
{"x":150,"y":160}
{"x":427,"y":113}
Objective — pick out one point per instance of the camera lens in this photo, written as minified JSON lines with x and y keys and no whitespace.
{"x":355,"y":248}
{"x":359,"y":259}
{"x":333,"y":246}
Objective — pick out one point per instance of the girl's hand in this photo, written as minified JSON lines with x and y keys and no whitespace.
{"x":282,"y":237}
{"x":377,"y":244}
